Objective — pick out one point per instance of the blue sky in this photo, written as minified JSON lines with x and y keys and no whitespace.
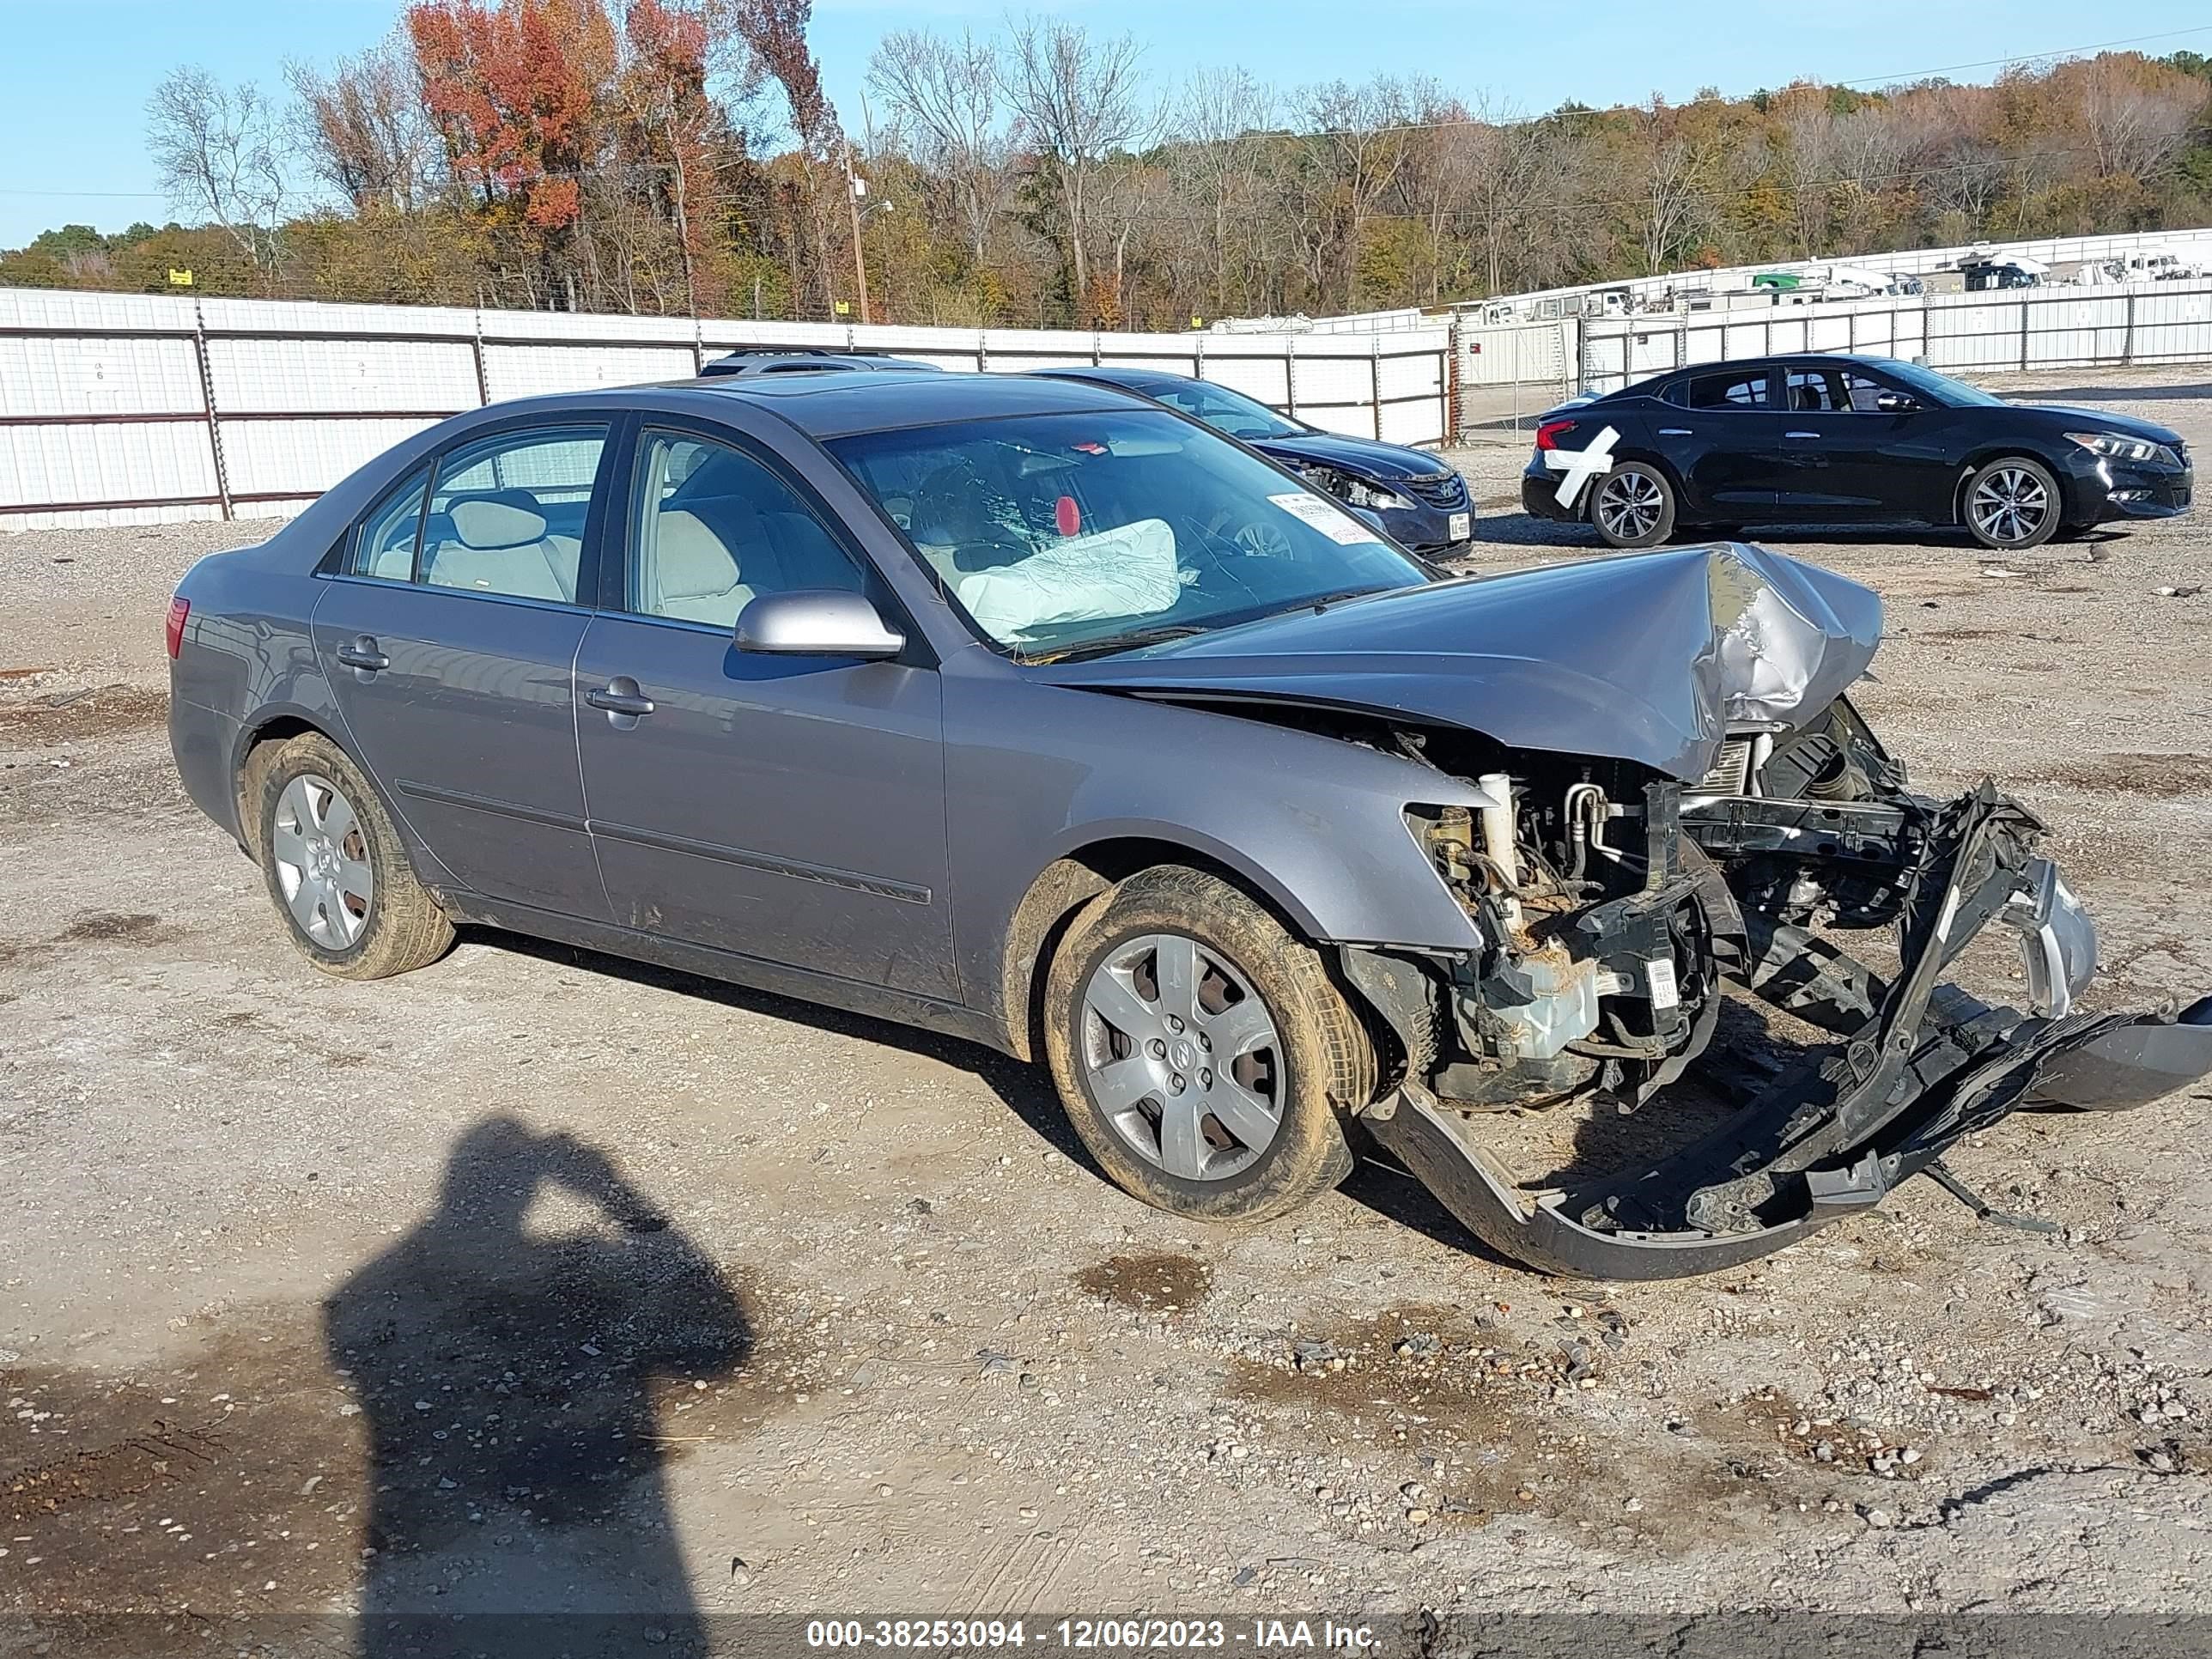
{"x":74,"y":74}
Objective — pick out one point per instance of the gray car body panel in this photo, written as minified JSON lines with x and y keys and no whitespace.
{"x":1034,"y":771}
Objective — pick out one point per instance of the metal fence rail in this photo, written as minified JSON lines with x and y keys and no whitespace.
{"x":130,"y":408}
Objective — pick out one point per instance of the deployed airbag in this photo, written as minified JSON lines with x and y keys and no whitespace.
{"x":1128,"y":571}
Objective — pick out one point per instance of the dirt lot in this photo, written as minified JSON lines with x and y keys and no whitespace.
{"x":637,"y":1291}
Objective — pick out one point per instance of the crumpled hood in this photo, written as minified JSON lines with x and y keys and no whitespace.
{"x":1650,"y":658}
{"x":1363,"y":457}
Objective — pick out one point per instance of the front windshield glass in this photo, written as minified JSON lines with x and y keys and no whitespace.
{"x":1063,"y":535}
{"x":1224,"y":410}
{"x":1937,"y":388}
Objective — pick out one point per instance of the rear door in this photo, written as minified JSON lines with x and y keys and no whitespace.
{"x":786,"y":808}
{"x":448,"y":633}
{"x":1717,"y":430}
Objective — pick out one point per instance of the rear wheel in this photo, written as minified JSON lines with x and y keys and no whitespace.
{"x":2012,"y":503}
{"x":335,"y":866}
{"x":1202,"y":1053}
{"x":1633,"y":506}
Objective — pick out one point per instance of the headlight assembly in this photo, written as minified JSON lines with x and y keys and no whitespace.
{"x":2114,"y":446}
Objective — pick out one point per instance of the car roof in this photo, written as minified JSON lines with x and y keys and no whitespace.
{"x":837,"y":405}
{"x":1116,"y":375}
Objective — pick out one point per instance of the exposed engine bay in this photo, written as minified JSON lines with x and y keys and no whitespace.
{"x":1618,"y":907}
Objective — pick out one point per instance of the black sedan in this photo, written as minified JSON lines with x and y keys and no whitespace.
{"x":1420,"y":502}
{"x":1838,"y":440}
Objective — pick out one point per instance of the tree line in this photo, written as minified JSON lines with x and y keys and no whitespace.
{"x":675,"y":157}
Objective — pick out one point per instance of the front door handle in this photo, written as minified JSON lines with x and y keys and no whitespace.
{"x":1801,"y":435}
{"x":362,"y":653}
{"x":621,"y":698}
{"x":1675,"y":432}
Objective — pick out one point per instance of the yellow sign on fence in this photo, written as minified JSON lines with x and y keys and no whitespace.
{"x":179,"y":278}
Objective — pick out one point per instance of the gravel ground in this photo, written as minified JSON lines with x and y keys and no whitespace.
{"x":645,"y":1292}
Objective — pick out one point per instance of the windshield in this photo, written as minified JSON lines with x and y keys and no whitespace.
{"x":1224,"y":410}
{"x":1060,"y":535}
{"x":1938,"y":388}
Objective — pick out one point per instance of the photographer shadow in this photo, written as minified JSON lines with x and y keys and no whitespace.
{"x":517,"y":1502}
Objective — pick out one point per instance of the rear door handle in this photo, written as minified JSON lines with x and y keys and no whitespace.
{"x":1801,"y":435}
{"x":1676,"y":432}
{"x":621,"y":698}
{"x":362,"y":653}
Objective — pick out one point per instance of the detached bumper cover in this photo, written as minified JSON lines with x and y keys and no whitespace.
{"x":1836,"y":1133}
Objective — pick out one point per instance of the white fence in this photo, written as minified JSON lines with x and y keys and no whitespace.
{"x":124,"y":409}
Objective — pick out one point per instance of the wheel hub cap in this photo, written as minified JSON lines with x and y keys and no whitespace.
{"x":1182,"y":1055}
{"x":321,"y":860}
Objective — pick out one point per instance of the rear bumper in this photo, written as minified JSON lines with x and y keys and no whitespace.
{"x":1539,"y":497}
{"x":205,"y":744}
{"x":1836,"y":1133}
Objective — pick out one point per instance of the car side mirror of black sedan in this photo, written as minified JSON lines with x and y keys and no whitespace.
{"x":816,"y":622}
{"x":1894,"y":403}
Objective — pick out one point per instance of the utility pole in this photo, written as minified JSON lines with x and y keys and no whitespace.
{"x":852,"y":188}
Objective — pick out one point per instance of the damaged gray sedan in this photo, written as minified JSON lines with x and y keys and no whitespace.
{"x":1023,"y":711}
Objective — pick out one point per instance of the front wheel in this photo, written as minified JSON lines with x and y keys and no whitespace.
{"x":1633,"y":506}
{"x":1202,"y":1053}
{"x":2012,"y":503}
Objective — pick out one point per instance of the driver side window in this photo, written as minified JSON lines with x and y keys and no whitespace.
{"x":712,"y":529}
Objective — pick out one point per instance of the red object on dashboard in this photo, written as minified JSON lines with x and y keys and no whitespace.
{"x":1067,"y":515}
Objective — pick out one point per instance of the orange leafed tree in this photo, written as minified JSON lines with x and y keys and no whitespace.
{"x":516,"y":89}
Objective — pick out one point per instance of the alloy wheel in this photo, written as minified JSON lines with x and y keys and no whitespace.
{"x":2010,"y":504}
{"x":322,"y":861}
{"x":1629,"y":505}
{"x":1182,"y":1057}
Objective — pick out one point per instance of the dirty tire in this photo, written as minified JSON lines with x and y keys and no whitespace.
{"x":2032,"y":518}
{"x":1633,"y":506}
{"x":405,"y":927}
{"x":1327,"y":1065}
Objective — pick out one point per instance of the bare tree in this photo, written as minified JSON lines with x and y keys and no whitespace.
{"x":361,"y":128}
{"x":1506,"y":158}
{"x":1082,"y":100}
{"x":220,"y":150}
{"x":947,"y":92}
{"x":2136,"y":125}
{"x":1359,"y":139}
{"x":1221,"y":120}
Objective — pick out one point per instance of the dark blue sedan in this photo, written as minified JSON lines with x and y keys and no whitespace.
{"x":1419,"y":500}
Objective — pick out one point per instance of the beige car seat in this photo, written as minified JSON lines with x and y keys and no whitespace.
{"x":501,"y":545}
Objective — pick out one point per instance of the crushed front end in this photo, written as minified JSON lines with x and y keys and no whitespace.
{"x":1621,"y":908}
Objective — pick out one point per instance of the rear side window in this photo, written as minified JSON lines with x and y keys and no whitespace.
{"x":1729,"y":391}
{"x":506,"y":513}
{"x":386,"y":545}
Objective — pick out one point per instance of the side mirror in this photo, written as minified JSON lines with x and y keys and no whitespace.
{"x":815,"y":621}
{"x":1894,"y":403}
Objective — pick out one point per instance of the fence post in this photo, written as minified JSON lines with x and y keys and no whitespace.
{"x":983,"y":351}
{"x":2023,"y":335}
{"x":1198,"y":346}
{"x":2127,"y":339}
{"x":1291,"y":375}
{"x":207,"y":396}
{"x":1374,"y":380}
{"x":484,"y":384}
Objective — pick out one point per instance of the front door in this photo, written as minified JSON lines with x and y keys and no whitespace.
{"x":789,"y":809}
{"x":448,"y":636}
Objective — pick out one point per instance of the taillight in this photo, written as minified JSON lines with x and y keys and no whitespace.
{"x":1548,"y":435}
{"x":180,"y":608}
